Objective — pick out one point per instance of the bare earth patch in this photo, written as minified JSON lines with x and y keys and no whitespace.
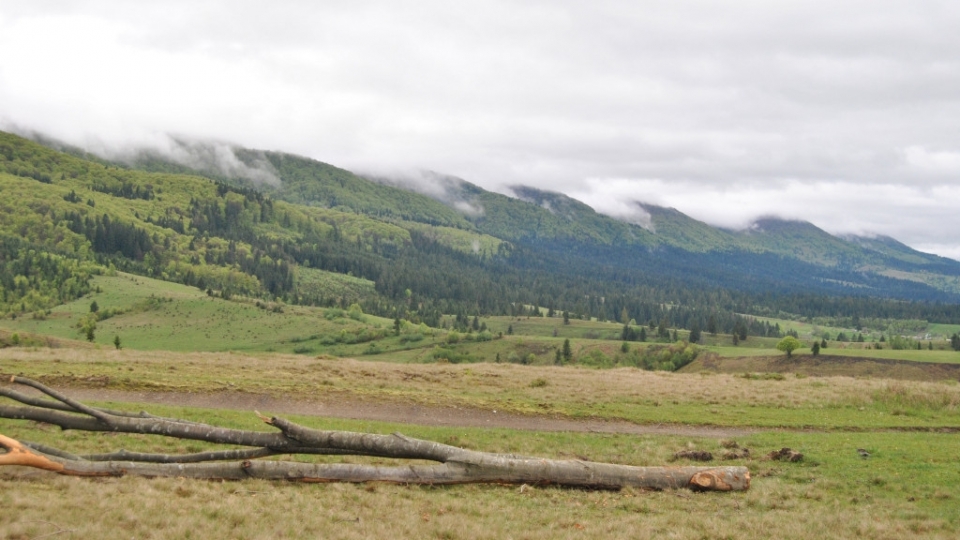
{"x":404,"y":413}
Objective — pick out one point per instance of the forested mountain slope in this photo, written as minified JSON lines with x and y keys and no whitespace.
{"x":270,"y":224}
{"x":535,"y":215}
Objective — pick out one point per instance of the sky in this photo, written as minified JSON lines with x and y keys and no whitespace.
{"x":843,"y":113}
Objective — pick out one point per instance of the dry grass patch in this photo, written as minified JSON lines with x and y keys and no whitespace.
{"x":40,"y":505}
{"x":906,"y":488}
{"x":626,"y":393}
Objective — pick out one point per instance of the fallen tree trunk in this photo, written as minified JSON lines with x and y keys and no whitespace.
{"x":453,"y":465}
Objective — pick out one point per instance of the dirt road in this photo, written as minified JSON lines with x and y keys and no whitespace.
{"x":399,"y":412}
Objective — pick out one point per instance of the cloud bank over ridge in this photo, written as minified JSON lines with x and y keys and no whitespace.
{"x":839,"y":113}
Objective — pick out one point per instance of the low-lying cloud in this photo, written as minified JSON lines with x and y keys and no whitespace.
{"x":220,"y":158}
{"x":903,"y":212}
{"x":444,"y":188}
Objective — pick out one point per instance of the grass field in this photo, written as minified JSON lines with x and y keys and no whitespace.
{"x":908,"y":487}
{"x":159,"y":315}
{"x":630,"y":394}
{"x":808,"y":330}
{"x":148,"y":314}
{"x":905,"y":489}
{"x":936,"y":356}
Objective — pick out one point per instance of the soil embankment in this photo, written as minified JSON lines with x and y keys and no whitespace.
{"x":826,"y":365}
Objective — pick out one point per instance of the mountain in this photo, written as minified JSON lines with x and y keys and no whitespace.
{"x":550,"y":216}
{"x":675,"y":228}
{"x":240,"y":221}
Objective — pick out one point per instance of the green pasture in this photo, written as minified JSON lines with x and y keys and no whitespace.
{"x":944,"y":330}
{"x":554,"y":327}
{"x":149,"y":314}
{"x":907,"y":487}
{"x":936,"y":356}
{"x":807,"y":330}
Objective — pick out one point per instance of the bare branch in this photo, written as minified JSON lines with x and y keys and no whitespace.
{"x":221,"y":455}
{"x":76,"y":405}
{"x":51,"y":451}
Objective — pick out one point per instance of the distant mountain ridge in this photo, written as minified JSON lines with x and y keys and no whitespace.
{"x":797,"y":255}
{"x":667,"y":226}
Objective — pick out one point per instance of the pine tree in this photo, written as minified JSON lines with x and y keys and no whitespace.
{"x":695,"y":333}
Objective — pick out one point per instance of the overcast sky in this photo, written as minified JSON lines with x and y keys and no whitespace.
{"x":842,"y":113}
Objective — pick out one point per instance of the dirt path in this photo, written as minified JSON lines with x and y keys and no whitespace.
{"x":400,"y":412}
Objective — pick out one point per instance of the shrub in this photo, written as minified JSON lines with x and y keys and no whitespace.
{"x":596,"y":358}
{"x":334,"y":313}
{"x":441,"y":354}
{"x":668,"y":357}
{"x":900,"y":343}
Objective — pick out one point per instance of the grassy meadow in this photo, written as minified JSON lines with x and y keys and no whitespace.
{"x":901,"y":406}
{"x":752,"y":400}
{"x":149,"y":314}
{"x":907,"y":487}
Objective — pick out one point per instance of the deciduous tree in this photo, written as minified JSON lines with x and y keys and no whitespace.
{"x":788,"y":345}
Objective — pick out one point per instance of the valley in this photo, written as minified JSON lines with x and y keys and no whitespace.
{"x":535,"y":326}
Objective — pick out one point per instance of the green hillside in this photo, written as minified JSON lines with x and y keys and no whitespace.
{"x":89,"y":217}
{"x":535,"y":215}
{"x":674,"y":228}
{"x":801,"y":240}
{"x":549,"y":216}
{"x":300,"y":180}
{"x":272,"y":226}
{"x":890,"y":247}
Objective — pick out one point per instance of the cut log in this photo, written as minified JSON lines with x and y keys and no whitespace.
{"x":453,"y":465}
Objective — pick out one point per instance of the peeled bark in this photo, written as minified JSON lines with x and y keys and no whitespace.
{"x":453,"y":465}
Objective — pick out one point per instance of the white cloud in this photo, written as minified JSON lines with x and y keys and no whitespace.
{"x":925,"y":160}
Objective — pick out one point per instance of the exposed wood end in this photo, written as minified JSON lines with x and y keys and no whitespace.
{"x":17,"y":454}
